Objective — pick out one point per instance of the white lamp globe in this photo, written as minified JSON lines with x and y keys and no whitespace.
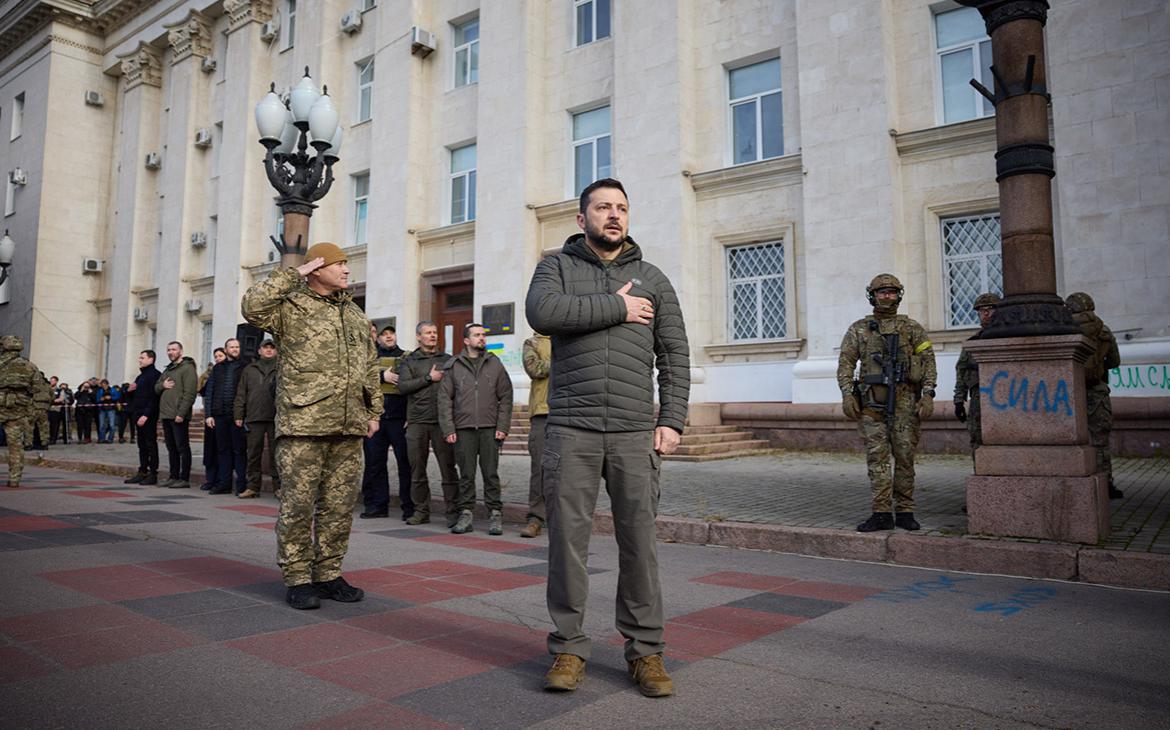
{"x":7,"y":249}
{"x":334,"y":150}
{"x":302,"y":98}
{"x":288,"y":136}
{"x":323,"y":118}
{"x":270,"y":116}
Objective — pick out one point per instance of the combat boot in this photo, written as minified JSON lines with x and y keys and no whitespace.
{"x":566,"y":674}
{"x":302,"y":597}
{"x":877,"y":521}
{"x":248,"y":494}
{"x":906,"y":521}
{"x":167,"y":483}
{"x":464,"y":523}
{"x":532,"y":529}
{"x":150,"y":479}
{"x":650,"y":675}
{"x":496,"y":523}
{"x":418,"y":518}
{"x":338,"y":590}
{"x":136,"y":479}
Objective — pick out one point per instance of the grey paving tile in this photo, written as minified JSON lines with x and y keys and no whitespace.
{"x":536,"y":553}
{"x":5,"y":512}
{"x":87,"y":519}
{"x":541,"y":569}
{"x":246,"y":621}
{"x":148,"y":501}
{"x":76,"y":536}
{"x":184,"y":604}
{"x":408,"y":533}
{"x":268,"y":591}
{"x":154,"y":515}
{"x":14,"y":541}
{"x":788,"y":605}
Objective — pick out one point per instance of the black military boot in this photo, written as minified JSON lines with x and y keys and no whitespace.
{"x":150,"y":479}
{"x":136,"y":479}
{"x":906,"y":521}
{"x":877,"y":521}
{"x":1114,"y":492}
{"x":339,"y":590}
{"x":302,"y":597}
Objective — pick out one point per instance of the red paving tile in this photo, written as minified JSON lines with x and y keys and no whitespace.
{"x":380,"y":576}
{"x":497,"y":580}
{"x":425,"y":591}
{"x":101,"y":494}
{"x":17,"y":664}
{"x":687,"y":642}
{"x":193,"y":565}
{"x":31,"y":522}
{"x":415,"y":624}
{"x":754,"y":581}
{"x":476,"y":543}
{"x":107,"y":646}
{"x":741,"y":622}
{"x":67,"y":621}
{"x":122,"y":582}
{"x":253,"y":509}
{"x":312,"y":644}
{"x":396,"y":670}
{"x":435,"y":568}
{"x":827,"y":591}
{"x":270,"y":526}
{"x":377,"y":716}
{"x":228,"y":577}
{"x":501,"y":645}
{"x":86,"y":578}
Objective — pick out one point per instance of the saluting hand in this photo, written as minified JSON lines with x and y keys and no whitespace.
{"x":310,"y":266}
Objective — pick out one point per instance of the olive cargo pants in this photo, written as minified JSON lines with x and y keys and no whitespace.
{"x":478,"y":446}
{"x":574,"y":461}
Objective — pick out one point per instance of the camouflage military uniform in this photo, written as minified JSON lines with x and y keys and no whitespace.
{"x":18,"y":383}
{"x":327,"y":392}
{"x":42,"y":399}
{"x":1105,"y":357}
{"x":967,"y":379}
{"x":863,"y":340}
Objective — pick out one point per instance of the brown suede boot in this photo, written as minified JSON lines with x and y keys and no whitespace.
{"x":532,"y":529}
{"x":566,"y":674}
{"x":650,"y":674}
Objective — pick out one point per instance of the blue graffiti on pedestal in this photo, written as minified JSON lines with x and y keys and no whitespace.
{"x":1027,"y":396}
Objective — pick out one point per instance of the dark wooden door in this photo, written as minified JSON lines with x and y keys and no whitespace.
{"x":453,"y":311}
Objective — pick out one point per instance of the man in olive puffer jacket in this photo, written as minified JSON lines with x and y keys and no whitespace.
{"x":613,"y":319}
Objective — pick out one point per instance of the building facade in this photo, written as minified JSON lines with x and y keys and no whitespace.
{"x":777,"y":154}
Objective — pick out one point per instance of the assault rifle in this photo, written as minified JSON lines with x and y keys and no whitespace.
{"x":892,"y":373}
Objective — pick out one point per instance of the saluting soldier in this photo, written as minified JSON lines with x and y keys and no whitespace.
{"x":894,"y":392}
{"x":967,"y":374}
{"x":327,"y":400}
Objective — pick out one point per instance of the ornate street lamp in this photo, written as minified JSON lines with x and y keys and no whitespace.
{"x":309,"y":119}
{"x":7,"y":251}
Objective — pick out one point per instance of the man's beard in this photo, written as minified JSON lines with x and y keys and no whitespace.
{"x":596,"y":238}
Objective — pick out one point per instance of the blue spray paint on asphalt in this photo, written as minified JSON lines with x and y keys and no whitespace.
{"x":1022,"y":599}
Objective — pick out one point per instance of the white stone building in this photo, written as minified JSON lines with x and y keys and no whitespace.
{"x":777,"y":153}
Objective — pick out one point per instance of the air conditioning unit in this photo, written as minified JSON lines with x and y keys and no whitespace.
{"x":18,"y":176}
{"x":203,"y":138}
{"x":422,"y":42}
{"x":351,"y":22}
{"x":153,"y":160}
{"x":198,"y":239}
{"x":140,"y":314}
{"x":208,"y":65}
{"x":270,"y":30}
{"x":91,"y":266}
{"x":95,"y":98}
{"x":194,"y":305}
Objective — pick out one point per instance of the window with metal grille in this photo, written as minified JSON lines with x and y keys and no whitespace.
{"x":972,"y":264}
{"x":755,"y":292}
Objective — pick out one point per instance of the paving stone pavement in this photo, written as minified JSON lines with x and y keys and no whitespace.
{"x":130,"y":606}
{"x":808,"y":489}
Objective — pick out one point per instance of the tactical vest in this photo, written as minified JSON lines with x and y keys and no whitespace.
{"x":909,"y":362}
{"x":14,"y":384}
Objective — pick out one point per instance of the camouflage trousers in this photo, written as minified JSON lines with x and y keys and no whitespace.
{"x":42,"y":426}
{"x":320,"y":482}
{"x":974,"y":428}
{"x":19,"y":433}
{"x":878,"y":449}
{"x":1100,"y":414}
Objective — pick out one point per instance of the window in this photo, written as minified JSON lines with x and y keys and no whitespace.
{"x":467,"y":53}
{"x":964,"y":53}
{"x":216,"y":146}
{"x":290,"y":25}
{"x":152,"y":339}
{"x":17,"y":115}
{"x":463,"y":184}
{"x":365,"y":89}
{"x":592,"y":20}
{"x":361,"y":201}
{"x":972,"y":264}
{"x":368,"y":5}
{"x":591,"y":148}
{"x":209,"y":251}
{"x":756,"y":308}
{"x":757,"y":129}
{"x":10,"y":199}
{"x":206,"y":348}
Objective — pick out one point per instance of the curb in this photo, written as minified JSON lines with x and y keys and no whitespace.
{"x":1062,"y":561}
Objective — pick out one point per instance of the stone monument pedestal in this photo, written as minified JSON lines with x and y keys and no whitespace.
{"x":1035,"y":473}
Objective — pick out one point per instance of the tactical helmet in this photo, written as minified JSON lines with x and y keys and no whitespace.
{"x":883,"y":281}
{"x":1078,"y":302}
{"x":986,"y":300}
{"x":11,"y":342}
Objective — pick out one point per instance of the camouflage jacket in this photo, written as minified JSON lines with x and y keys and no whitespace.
{"x":864,"y":339}
{"x":1105,"y":355}
{"x":538,"y":365}
{"x":327,"y":384}
{"x":967,"y":375}
{"x":42,"y":392}
{"x":19,"y":380}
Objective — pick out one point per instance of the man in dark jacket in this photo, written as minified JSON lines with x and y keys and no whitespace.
{"x":220,"y":401}
{"x":143,"y":411}
{"x":255,"y":412}
{"x":475,"y":412}
{"x":391,"y":434}
{"x":176,"y":388}
{"x":613,"y":319}
{"x":419,"y":375}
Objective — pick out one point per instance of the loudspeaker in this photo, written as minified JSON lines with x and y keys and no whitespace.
{"x":250,"y":338}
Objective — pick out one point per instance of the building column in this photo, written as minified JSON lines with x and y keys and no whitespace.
{"x":131,"y":266}
{"x":852,"y":186}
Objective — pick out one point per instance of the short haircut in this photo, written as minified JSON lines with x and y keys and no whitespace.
{"x":605,"y":182}
{"x":388,"y":328}
{"x":230,"y":340}
{"x":176,"y":343}
{"x":468,"y":327}
{"x":218,"y":349}
{"x":150,"y":354}
{"x":418,"y":328}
